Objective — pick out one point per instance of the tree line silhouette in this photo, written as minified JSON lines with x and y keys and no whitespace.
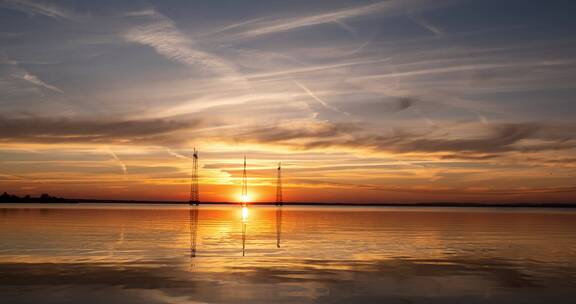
{"x":44,"y":198}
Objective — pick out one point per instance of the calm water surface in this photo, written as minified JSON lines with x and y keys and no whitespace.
{"x":211,"y":254}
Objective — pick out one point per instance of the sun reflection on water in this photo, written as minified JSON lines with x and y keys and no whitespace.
{"x":244,"y":214}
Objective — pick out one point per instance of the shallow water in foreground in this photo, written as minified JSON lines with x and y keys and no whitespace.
{"x":217,"y":254}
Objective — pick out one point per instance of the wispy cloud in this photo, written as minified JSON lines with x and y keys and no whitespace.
{"x":18,"y":72}
{"x":316,"y":68}
{"x":37,"y":81}
{"x":472,"y":67}
{"x":426,"y":24}
{"x":164,"y":37}
{"x":117,"y":159}
{"x":318,"y":99}
{"x":177,"y":154}
{"x":258,"y":28}
{"x":42,"y":8}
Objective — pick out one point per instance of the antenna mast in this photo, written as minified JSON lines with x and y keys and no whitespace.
{"x":194,"y":190}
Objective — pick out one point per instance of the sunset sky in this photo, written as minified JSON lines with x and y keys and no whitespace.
{"x":362,"y":101}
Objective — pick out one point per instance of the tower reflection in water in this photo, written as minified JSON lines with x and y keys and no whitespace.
{"x":278,"y":225}
{"x":194,"y":212}
{"x":244,"y":220}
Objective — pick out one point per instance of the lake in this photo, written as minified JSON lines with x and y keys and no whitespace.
{"x":112,"y":253}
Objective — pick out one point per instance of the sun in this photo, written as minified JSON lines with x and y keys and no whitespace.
{"x":244,"y":199}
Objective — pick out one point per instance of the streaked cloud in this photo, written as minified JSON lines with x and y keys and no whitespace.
{"x":37,"y":81}
{"x":177,"y":154}
{"x":495,"y":138}
{"x":166,"y":39}
{"x":259,"y":28}
{"x":323,"y":103}
{"x":68,"y":130}
{"x":117,"y":159}
{"x":17,"y":71}
{"x":43,"y":8}
{"x":426,"y":24}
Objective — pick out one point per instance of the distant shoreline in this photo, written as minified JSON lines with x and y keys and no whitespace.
{"x":431,"y":204}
